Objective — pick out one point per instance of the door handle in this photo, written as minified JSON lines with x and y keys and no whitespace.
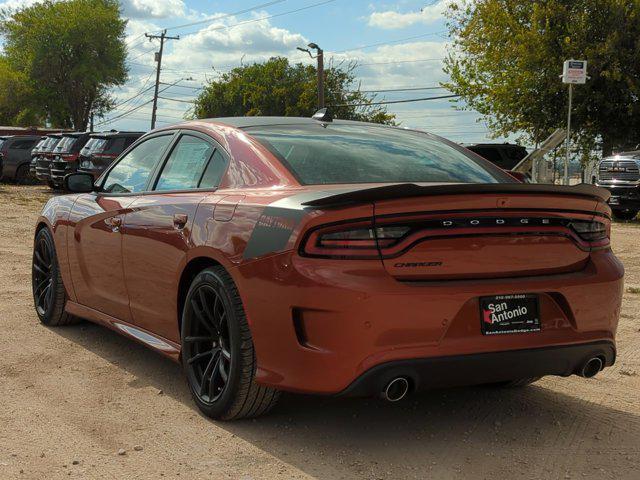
{"x":114,"y":222}
{"x":180,"y":220}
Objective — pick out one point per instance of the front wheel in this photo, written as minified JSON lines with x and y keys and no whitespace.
{"x":624,"y":214}
{"x":217,"y":350}
{"x":49,"y":295}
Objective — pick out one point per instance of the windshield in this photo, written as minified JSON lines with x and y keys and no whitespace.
{"x":352,"y":153}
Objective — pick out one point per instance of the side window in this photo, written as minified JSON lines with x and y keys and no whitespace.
{"x":214,"y":171}
{"x":23,"y":144}
{"x":132,"y":172}
{"x":185,"y":165}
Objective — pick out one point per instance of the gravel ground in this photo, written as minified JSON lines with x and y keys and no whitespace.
{"x":82,"y":402}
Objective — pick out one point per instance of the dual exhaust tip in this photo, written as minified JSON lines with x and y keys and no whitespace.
{"x":591,"y":367}
{"x":397,"y":389}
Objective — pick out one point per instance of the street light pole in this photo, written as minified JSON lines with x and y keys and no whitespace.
{"x":320,"y":69}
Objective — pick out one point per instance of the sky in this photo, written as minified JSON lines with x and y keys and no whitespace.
{"x":398,"y":45}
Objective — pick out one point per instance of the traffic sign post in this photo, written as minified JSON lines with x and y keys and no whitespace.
{"x":574,"y":72}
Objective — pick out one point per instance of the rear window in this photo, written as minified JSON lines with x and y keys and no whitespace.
{"x":66,"y":144}
{"x":93,"y":145}
{"x":343,"y":153}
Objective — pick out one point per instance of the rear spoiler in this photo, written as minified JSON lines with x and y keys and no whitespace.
{"x":404,"y":190}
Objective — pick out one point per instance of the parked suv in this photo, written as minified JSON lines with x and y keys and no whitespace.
{"x":16,"y":155}
{"x":102,"y":149}
{"x":503,"y":155}
{"x":620,"y":174}
{"x":45,"y":155}
{"x":65,"y":156}
{"x":35,"y":152}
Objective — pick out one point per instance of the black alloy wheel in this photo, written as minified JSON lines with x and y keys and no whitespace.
{"x":42,"y":275}
{"x":207,"y":345}
{"x":49,"y":296}
{"x":217,"y":352}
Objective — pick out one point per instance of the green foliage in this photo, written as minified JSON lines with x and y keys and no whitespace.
{"x":507,"y":56}
{"x":66,"y":55}
{"x":277,"y":88}
{"x":14,"y":98}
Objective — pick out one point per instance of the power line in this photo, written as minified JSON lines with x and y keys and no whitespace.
{"x":262,"y":19}
{"x":124,"y":114}
{"x":409,"y":89}
{"x":400,"y":40}
{"x":177,"y":100}
{"x":226,"y":15}
{"x":388,"y":102}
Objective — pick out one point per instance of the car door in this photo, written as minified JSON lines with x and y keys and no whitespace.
{"x":158,"y":229}
{"x":95,"y":251}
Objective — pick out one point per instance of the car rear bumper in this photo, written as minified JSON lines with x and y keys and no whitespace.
{"x":318,"y":325}
{"x":483,"y":368}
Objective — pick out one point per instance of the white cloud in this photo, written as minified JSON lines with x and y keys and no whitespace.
{"x":153,"y":8}
{"x":391,"y":19}
{"x":16,"y":4}
{"x":216,"y":45}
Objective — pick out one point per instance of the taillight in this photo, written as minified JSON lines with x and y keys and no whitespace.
{"x":590,"y":231}
{"x":352,"y":241}
{"x":363,"y":240}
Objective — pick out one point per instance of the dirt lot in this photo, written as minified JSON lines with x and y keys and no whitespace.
{"x":71,"y":398}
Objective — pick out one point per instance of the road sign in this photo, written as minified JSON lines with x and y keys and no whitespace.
{"x":574,"y":71}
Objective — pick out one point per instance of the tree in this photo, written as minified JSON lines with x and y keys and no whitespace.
{"x":276,"y":87}
{"x":15,"y":95}
{"x":507,"y":55}
{"x":68,"y":54}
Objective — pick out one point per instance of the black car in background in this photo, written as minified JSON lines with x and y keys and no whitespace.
{"x":102,"y":149}
{"x":503,"y":155}
{"x":15,"y":151}
{"x":44,"y":158}
{"x":65,"y":156}
{"x":34,"y":156}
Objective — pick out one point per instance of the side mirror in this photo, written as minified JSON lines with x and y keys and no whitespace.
{"x":79,"y":183}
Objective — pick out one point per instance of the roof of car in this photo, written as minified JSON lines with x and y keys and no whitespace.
{"x":245,"y":122}
{"x":116,"y":134}
{"x":630,"y":153}
{"x":21,"y":137}
{"x":75,"y":134}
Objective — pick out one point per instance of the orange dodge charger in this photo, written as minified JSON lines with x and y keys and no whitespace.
{"x":313,"y":255}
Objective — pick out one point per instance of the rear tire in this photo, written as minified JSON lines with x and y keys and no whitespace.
{"x":22,"y":175}
{"x":218,"y":355}
{"x":49,"y":295}
{"x":624,"y":214}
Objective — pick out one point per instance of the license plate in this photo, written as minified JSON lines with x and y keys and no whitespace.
{"x":518,"y":313}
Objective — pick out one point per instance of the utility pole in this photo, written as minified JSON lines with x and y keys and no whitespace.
{"x":320,"y":69}
{"x":158,"y":57}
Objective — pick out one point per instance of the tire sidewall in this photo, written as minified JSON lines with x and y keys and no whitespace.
{"x":45,"y":235}
{"x":211,"y":278}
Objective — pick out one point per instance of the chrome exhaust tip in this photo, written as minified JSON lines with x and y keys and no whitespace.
{"x":591,"y":368}
{"x":396,"y":389}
